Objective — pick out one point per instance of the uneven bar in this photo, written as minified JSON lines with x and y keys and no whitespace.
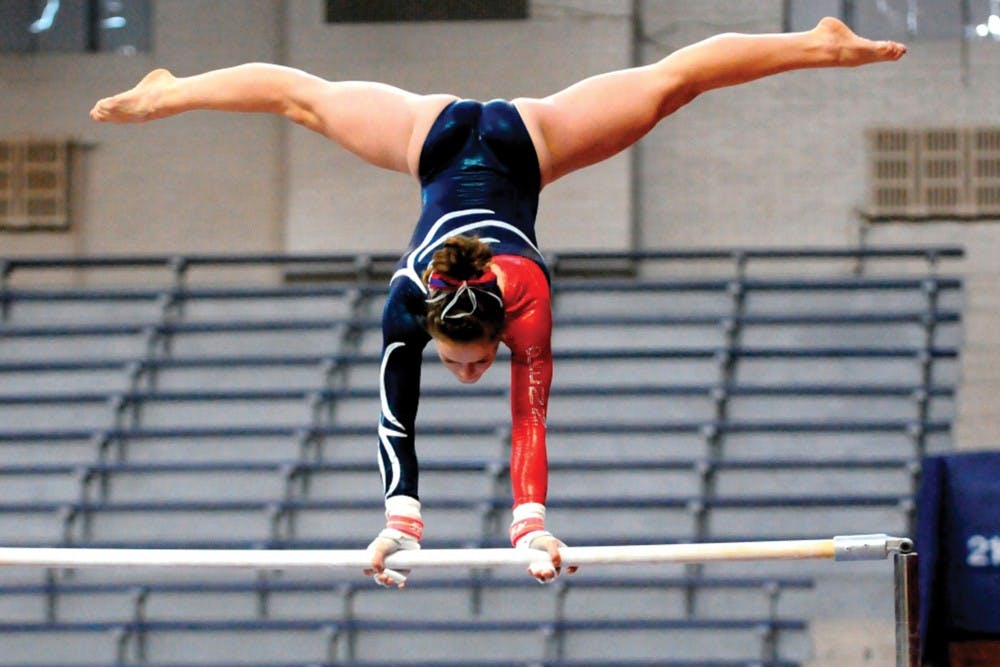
{"x":849,"y":547}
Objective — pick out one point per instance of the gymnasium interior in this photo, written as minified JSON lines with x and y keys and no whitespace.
{"x":775,"y":319}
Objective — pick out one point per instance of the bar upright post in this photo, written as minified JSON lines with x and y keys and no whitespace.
{"x":907,"y":609}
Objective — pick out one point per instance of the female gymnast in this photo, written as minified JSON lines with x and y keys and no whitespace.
{"x":473,"y":276}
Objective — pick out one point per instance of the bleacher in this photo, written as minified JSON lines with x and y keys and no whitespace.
{"x":699,"y":396}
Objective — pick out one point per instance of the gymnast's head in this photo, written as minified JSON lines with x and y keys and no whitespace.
{"x":465,"y":314}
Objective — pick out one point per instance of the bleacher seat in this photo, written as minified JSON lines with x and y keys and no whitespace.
{"x":178,"y":413}
{"x":351,"y":616}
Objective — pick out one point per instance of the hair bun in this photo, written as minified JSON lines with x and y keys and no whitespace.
{"x":461,"y":258}
{"x":464,"y":310}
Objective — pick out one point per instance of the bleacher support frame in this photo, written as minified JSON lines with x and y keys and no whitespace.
{"x":174,"y":285}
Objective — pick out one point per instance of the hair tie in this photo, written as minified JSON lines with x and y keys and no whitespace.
{"x":446,"y":286}
{"x":441,"y":281}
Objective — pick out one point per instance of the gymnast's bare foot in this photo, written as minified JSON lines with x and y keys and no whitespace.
{"x":135,"y":105}
{"x":850,"y":50}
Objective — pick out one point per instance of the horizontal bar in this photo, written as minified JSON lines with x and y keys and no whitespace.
{"x":852,"y":547}
{"x":323,"y":583}
{"x":472,"y":464}
{"x":905,"y":392}
{"x":123,"y":260}
{"x":642,"y":319}
{"x":560,"y":285}
{"x":902,"y":426}
{"x":677,"y":503}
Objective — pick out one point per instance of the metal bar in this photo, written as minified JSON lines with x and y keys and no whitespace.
{"x":856,"y":547}
{"x":907,"y":595}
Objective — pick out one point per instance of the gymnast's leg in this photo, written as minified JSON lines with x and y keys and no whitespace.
{"x":382,"y":124}
{"x":602,"y":115}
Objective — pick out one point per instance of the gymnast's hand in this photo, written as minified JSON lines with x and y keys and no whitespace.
{"x":542,"y":570}
{"x":527,"y":531}
{"x":402,"y":532}
{"x":388,"y":542}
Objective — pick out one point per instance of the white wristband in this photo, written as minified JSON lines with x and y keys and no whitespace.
{"x":403,"y":513}
{"x":528,"y":522}
{"x":402,"y":506}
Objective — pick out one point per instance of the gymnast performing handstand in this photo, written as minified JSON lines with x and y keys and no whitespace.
{"x":473,"y":276}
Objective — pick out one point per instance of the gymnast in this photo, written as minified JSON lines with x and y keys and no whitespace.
{"x":473,"y":276}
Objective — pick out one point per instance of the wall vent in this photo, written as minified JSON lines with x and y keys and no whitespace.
{"x":934,"y":173}
{"x":893,"y":171}
{"x":34,"y":184}
{"x":984,"y":162}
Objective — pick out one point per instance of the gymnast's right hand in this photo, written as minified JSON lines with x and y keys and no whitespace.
{"x":402,"y":532}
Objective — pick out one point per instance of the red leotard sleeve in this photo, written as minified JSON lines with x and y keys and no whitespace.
{"x":528,"y":334}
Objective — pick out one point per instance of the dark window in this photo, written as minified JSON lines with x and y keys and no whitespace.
{"x":902,"y":19}
{"x":61,"y":26}
{"x":386,"y":11}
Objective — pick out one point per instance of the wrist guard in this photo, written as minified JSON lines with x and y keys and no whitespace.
{"x":527,"y":525}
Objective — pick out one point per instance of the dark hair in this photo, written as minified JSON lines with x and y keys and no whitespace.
{"x":479,"y":307}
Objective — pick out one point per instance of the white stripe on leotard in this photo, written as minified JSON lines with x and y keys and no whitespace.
{"x":430,"y":243}
{"x":384,"y":432}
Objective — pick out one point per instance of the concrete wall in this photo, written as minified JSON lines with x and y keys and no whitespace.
{"x":337,"y":203}
{"x":782,"y":161}
{"x":779,"y":161}
{"x":186,"y":184}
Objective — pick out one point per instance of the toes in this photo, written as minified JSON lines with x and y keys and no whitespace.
{"x":97,"y":113}
{"x":898,"y":49}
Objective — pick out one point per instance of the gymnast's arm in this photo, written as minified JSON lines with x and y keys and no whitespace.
{"x":382,"y":124}
{"x":529,"y":335}
{"x":399,"y":391}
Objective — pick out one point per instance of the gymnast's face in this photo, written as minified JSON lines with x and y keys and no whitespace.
{"x":467,"y":361}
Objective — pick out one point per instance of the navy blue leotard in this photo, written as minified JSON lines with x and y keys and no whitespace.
{"x":479,"y":176}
